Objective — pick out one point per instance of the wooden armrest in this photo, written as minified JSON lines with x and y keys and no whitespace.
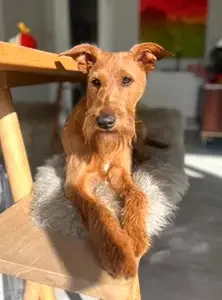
{"x":51,"y":258}
{"x":26,"y":66}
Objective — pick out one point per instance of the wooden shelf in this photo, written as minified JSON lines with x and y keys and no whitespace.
{"x":53,"y":259}
{"x":25,"y":66}
{"x":19,"y":58}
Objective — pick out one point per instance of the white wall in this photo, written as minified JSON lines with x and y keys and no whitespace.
{"x":118,"y":24}
{"x":1,"y":22}
{"x":214,"y":25}
{"x":49,"y":22}
{"x":173,"y":89}
{"x":12,"y":12}
{"x":57,"y":23}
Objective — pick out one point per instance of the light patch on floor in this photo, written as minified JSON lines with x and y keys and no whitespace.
{"x":211,"y":164}
{"x":192,"y":173}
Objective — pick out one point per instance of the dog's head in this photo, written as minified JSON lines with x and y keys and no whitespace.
{"x":115,"y":83}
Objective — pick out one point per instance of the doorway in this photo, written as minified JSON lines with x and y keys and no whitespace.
{"x":83,"y":29}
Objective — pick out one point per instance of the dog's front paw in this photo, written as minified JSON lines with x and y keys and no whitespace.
{"x":117,"y":257}
{"x":139,"y":240}
{"x":123,"y":264}
{"x":123,"y":267}
{"x":134,"y":221}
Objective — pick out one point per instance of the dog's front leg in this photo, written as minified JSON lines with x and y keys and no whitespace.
{"x":135,"y":208}
{"x":110,"y":240}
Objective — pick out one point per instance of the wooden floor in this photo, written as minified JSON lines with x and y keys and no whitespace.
{"x":185,"y":262}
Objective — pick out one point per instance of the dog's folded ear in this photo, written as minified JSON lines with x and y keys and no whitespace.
{"x":85,"y":55}
{"x":146,"y":54}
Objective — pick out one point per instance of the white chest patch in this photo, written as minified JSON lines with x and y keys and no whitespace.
{"x":106,"y":167}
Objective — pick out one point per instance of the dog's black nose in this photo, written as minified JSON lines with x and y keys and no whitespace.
{"x":106,"y":121}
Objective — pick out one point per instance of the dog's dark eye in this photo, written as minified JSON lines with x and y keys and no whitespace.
{"x":96,"y":82}
{"x":127,"y":81}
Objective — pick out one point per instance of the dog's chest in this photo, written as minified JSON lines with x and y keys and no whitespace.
{"x":106,"y":167}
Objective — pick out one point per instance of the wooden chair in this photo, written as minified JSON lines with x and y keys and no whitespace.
{"x":45,"y":260}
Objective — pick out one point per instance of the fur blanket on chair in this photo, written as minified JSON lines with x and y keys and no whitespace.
{"x":161,"y":177}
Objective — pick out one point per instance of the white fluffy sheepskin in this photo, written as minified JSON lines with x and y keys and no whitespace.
{"x":161,"y":177}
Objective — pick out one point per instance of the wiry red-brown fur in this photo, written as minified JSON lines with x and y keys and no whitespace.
{"x":95,"y":154}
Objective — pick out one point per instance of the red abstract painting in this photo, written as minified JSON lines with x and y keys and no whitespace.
{"x":179,"y":25}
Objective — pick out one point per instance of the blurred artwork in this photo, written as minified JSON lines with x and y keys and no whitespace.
{"x":178,"y":25}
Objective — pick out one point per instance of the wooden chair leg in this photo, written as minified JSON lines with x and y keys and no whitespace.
{"x":56,"y":142}
{"x":36,"y":291}
{"x":47,"y":293}
{"x":32,"y":291}
{"x":136,"y":289}
{"x":13,"y":148}
{"x":18,"y":171}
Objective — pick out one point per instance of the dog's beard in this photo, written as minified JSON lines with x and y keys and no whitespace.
{"x":111,"y":141}
{"x":109,"y":144}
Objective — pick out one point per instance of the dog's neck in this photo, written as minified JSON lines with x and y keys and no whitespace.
{"x":110,"y":145}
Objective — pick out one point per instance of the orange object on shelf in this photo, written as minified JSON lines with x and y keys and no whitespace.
{"x":24,"y":38}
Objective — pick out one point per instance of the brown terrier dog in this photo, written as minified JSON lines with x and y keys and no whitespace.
{"x":97,"y":140}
